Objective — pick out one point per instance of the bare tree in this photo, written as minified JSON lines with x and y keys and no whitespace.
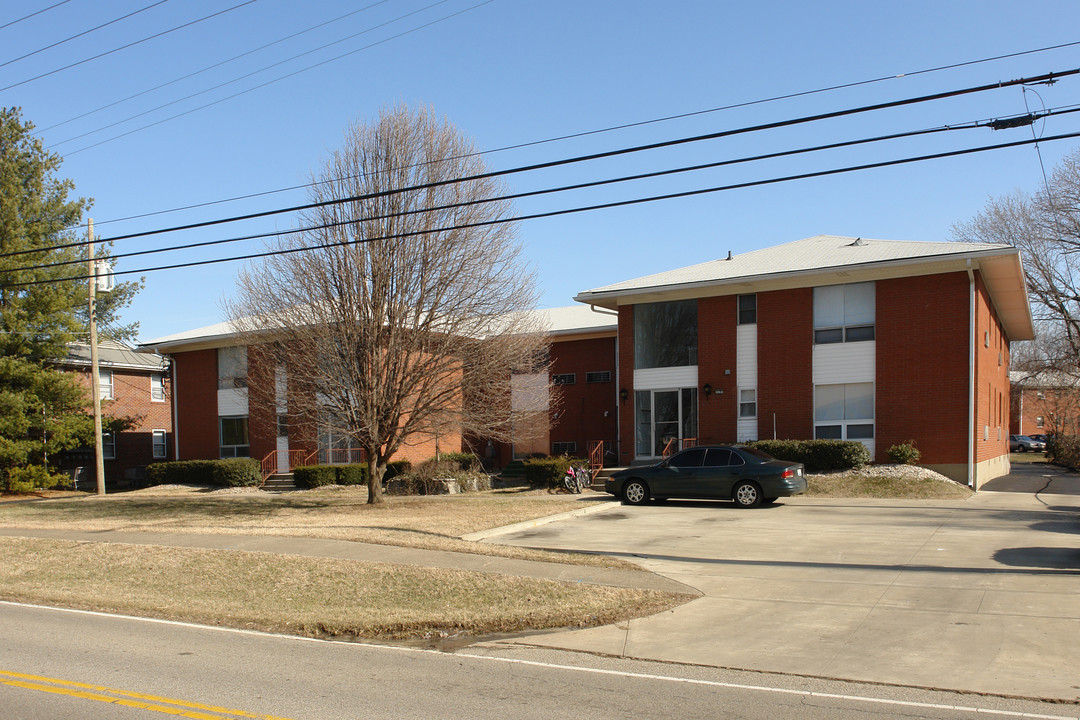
{"x":1046,"y":228}
{"x":403,"y":316}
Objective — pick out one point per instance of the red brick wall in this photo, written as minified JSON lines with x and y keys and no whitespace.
{"x":196,"y":404}
{"x":785,"y":363}
{"x":626,"y":382}
{"x":588,"y":410}
{"x":131,"y":400}
{"x":717,"y":414}
{"x":991,"y":379}
{"x":922,"y":366}
{"x":1058,"y":407}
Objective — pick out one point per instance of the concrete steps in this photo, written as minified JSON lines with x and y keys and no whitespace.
{"x":279,"y":481}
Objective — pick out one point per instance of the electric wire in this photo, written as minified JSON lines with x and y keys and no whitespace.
{"x":84,"y":32}
{"x":569,"y":211}
{"x":278,"y":79}
{"x":125,"y":47}
{"x":970,"y":125}
{"x":607,"y":129}
{"x":33,"y":14}
{"x":245,"y":76}
{"x":38,"y":132}
{"x":579,"y":159}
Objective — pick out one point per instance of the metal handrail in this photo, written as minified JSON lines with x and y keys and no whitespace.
{"x":676,"y":444}
{"x":596,"y":458}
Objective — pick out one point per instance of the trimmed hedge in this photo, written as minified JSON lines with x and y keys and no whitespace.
{"x":817,"y":455}
{"x":549,"y":471}
{"x":233,"y":472}
{"x":314,"y":476}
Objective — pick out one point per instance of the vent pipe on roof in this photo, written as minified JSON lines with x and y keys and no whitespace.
{"x":729,"y":255}
{"x":858,"y":243}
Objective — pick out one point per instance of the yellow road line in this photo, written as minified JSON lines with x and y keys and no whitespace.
{"x":139,"y":700}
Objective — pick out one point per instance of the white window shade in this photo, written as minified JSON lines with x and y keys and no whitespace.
{"x":829,"y":306}
{"x":859,"y":299}
{"x":828,"y":402}
{"x":858,"y":401}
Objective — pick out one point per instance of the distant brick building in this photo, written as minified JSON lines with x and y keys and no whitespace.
{"x":134,"y":386}
{"x":1044,"y":403}
{"x":828,"y":337}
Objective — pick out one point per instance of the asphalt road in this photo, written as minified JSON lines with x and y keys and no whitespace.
{"x":63,"y":664}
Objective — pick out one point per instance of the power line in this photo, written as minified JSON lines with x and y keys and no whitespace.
{"x":569,"y":211}
{"x":970,"y":125}
{"x":84,"y":32}
{"x":209,"y":67}
{"x":244,"y":76}
{"x":27,"y":17}
{"x":130,"y":44}
{"x":581,"y":158}
{"x":279,"y":79}
{"x":594,"y":131}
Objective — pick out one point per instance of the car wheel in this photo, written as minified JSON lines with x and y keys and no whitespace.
{"x":746,"y":494}
{"x":635,"y":492}
{"x":1023,"y":448}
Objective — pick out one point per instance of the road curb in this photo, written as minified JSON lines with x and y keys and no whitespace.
{"x":528,"y":524}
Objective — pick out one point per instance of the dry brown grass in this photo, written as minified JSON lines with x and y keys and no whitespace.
{"x":430,"y":522}
{"x":863,"y":484}
{"x":305,"y":596}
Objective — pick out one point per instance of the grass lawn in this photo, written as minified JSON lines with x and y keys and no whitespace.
{"x":305,"y":596}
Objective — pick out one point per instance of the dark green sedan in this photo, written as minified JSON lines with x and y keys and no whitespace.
{"x":716,"y":472}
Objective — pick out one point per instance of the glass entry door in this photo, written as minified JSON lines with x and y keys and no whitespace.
{"x":663,"y":416}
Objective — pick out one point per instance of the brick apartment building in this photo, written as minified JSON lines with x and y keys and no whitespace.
{"x":830,"y":337}
{"x":134,"y":386}
{"x":1044,"y":403}
{"x":212,"y":375}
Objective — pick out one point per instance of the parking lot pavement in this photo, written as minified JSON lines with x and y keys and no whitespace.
{"x":977,"y":595}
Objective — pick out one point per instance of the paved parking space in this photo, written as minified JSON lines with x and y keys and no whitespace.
{"x":980,"y":595}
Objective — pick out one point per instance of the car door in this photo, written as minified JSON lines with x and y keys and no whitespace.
{"x":719,"y":472}
{"x":680,"y":478}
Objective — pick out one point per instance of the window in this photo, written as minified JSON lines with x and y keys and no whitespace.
{"x":688,"y":458}
{"x":1040,"y":395}
{"x":105,"y":384}
{"x":564,"y":379}
{"x":234,"y":437}
{"x":232,"y":367}
{"x":600,"y":376}
{"x":108,"y":446}
{"x":844,"y":313}
{"x":282,"y":425}
{"x":158,"y":438}
{"x":157,"y":387}
{"x":563,"y":448}
{"x":721,"y":457}
{"x":665,"y":334}
{"x":747,"y":309}
{"x":1039,"y":421}
{"x":844,"y":412}
{"x":748,"y":403}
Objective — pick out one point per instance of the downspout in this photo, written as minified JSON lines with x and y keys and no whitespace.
{"x":175,"y":409}
{"x":971,"y":379}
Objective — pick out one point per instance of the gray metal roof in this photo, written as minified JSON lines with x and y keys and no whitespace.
{"x":112,"y":354}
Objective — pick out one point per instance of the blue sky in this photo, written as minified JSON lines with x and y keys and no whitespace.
{"x":507,"y":72}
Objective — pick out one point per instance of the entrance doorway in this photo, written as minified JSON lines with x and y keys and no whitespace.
{"x":662,"y":416}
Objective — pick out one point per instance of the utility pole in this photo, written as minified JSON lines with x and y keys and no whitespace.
{"x":95,"y":376}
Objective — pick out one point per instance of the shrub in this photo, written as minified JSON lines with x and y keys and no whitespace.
{"x":429,"y":478}
{"x":1064,"y":450}
{"x":232,"y":472}
{"x":395,"y":469}
{"x":27,"y":479}
{"x":904,"y":453}
{"x":463,"y":460}
{"x":817,"y":455}
{"x":549,"y":472}
{"x":313,"y":476}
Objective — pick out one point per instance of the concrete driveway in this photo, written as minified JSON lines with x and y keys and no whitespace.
{"x":980,"y":595}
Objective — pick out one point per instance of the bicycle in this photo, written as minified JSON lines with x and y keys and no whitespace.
{"x":577,"y":478}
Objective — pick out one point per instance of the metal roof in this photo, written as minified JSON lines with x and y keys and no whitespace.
{"x":831,"y":260}
{"x":112,"y":354}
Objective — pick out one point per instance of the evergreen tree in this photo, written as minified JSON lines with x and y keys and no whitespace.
{"x":43,"y":410}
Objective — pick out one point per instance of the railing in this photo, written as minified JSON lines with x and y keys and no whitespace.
{"x":294,"y":458}
{"x":674,"y":444}
{"x":596,"y":458}
{"x":339,"y":456}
